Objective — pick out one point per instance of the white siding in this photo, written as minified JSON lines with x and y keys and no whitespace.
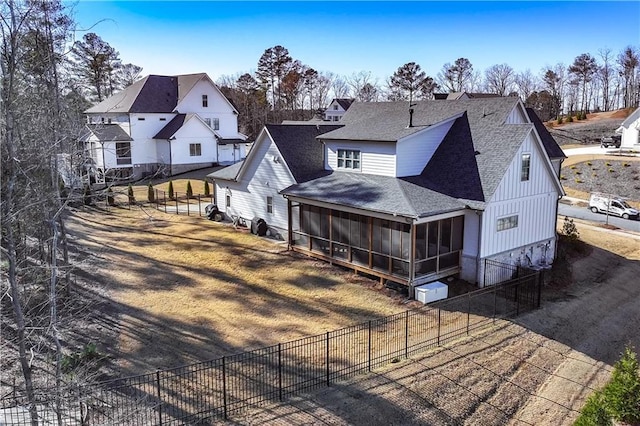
{"x":517,"y":116}
{"x":377,"y":158}
{"x":630,"y":135}
{"x":143,"y":146}
{"x":218,"y":107}
{"x":262,"y":177}
{"x":540,"y":177}
{"x":414,"y":152}
{"x":533,"y":201}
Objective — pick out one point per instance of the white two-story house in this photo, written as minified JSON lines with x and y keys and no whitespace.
{"x":410,"y":195}
{"x":163,"y":124}
{"x":336,"y":109}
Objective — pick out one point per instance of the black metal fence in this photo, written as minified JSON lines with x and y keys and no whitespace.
{"x":221,"y":388}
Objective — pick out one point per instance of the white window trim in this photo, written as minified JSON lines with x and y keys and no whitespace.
{"x":269,"y":204}
{"x":338,"y":158}
{"x":195,"y":149}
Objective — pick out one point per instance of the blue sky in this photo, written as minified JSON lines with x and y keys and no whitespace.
{"x":228,"y":38}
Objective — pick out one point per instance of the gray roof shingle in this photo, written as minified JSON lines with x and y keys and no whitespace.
{"x":151,"y":94}
{"x":171,"y":127}
{"x":227,"y":173}
{"x":107,"y":133}
{"x":550,"y":144}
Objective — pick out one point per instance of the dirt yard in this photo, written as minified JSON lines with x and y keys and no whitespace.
{"x":178,"y":289}
{"x":536,"y":370}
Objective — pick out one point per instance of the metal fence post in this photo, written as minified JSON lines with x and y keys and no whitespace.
{"x":439,"y":321}
{"x":165,"y":201}
{"x":224,"y":387}
{"x":280,"y":371}
{"x":177,"y":210}
{"x":159,"y":397}
{"x":540,"y":280}
{"x":406,"y":334}
{"x":495,"y":301}
{"x":188,"y":206}
{"x":369,"y":349}
{"x":199,"y":207}
{"x":327,"y":359}
{"x":156,"y":198}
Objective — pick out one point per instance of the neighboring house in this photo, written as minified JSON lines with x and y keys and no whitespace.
{"x":163,"y":124}
{"x":414,"y":195}
{"x":337,"y":108}
{"x":282,"y":155}
{"x":457,"y":96}
{"x":630,"y":129}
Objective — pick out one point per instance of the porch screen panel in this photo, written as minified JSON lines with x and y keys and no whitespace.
{"x":433,"y":239}
{"x":354,"y":230}
{"x":457,"y":233}
{"x":314,"y":220}
{"x":421,"y":241}
{"x":445,"y":236}
{"x":324,"y":222}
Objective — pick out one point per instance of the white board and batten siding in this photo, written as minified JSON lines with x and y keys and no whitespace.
{"x":194,"y":131}
{"x":264,"y":175}
{"x":217,"y":107}
{"x":144,"y":126}
{"x":517,"y":116}
{"x":533,"y":201}
{"x":414,"y":152}
{"x":376,"y":158}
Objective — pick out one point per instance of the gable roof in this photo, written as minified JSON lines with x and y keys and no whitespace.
{"x":301,"y":151}
{"x":107,"y":133}
{"x":635,"y":115}
{"x":549,"y":143}
{"x":152,"y":94}
{"x":388,"y":121}
{"x":179,"y":121}
{"x":345,"y":103}
{"x":464,"y":171}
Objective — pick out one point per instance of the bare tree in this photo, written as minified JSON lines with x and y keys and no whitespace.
{"x":499,"y":79}
{"x":339,"y":87}
{"x":605,"y":75}
{"x":526,"y":83}
{"x":583,"y":69}
{"x":456,"y":77}
{"x":358,"y":80}
{"x":628,"y":61}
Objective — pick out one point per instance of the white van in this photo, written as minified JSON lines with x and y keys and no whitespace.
{"x":599,"y":203}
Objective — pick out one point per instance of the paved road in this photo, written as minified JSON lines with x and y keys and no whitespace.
{"x":590,"y":150}
{"x":586,"y":214}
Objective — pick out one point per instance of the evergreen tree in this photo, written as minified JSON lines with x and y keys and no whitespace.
{"x":151,"y":195}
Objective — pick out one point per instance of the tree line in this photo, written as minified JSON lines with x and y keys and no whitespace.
{"x":282,"y":85}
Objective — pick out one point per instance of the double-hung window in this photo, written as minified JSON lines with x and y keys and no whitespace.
{"x":215,"y":123}
{"x":205,"y":101}
{"x":348,"y":159}
{"x":269,"y":204}
{"x":195,"y":149}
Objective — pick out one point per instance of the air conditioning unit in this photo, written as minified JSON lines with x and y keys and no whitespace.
{"x":432,"y":292}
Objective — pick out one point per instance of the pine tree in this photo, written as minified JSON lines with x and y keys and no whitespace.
{"x":189,"y":189}
{"x":151,"y":195}
{"x":170,"y":190}
{"x":132,"y":198}
{"x":207,"y":191}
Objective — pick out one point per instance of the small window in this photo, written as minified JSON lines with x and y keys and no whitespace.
{"x":108,"y":121}
{"x":102,"y":120}
{"x":195,"y":149}
{"x":508,"y":222}
{"x":526,"y":167}
{"x":207,"y":121}
{"x":269,"y":204}
{"x":216,"y":124}
{"x":348,"y":159}
{"x":227,"y":201}
{"x":163,"y":119}
{"x":140,"y":118}
{"x":205,"y":101}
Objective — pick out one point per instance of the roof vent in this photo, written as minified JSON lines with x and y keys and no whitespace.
{"x":411,"y":114}
{"x":476,"y":152}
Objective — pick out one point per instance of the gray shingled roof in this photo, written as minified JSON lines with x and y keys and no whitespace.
{"x":301,"y":151}
{"x":152,"y":94}
{"x":228,"y":173}
{"x":345,"y":103}
{"x":550,"y":144}
{"x":171,"y":127}
{"x":107,"y":133}
{"x":382,"y":194}
{"x":465,"y":170}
